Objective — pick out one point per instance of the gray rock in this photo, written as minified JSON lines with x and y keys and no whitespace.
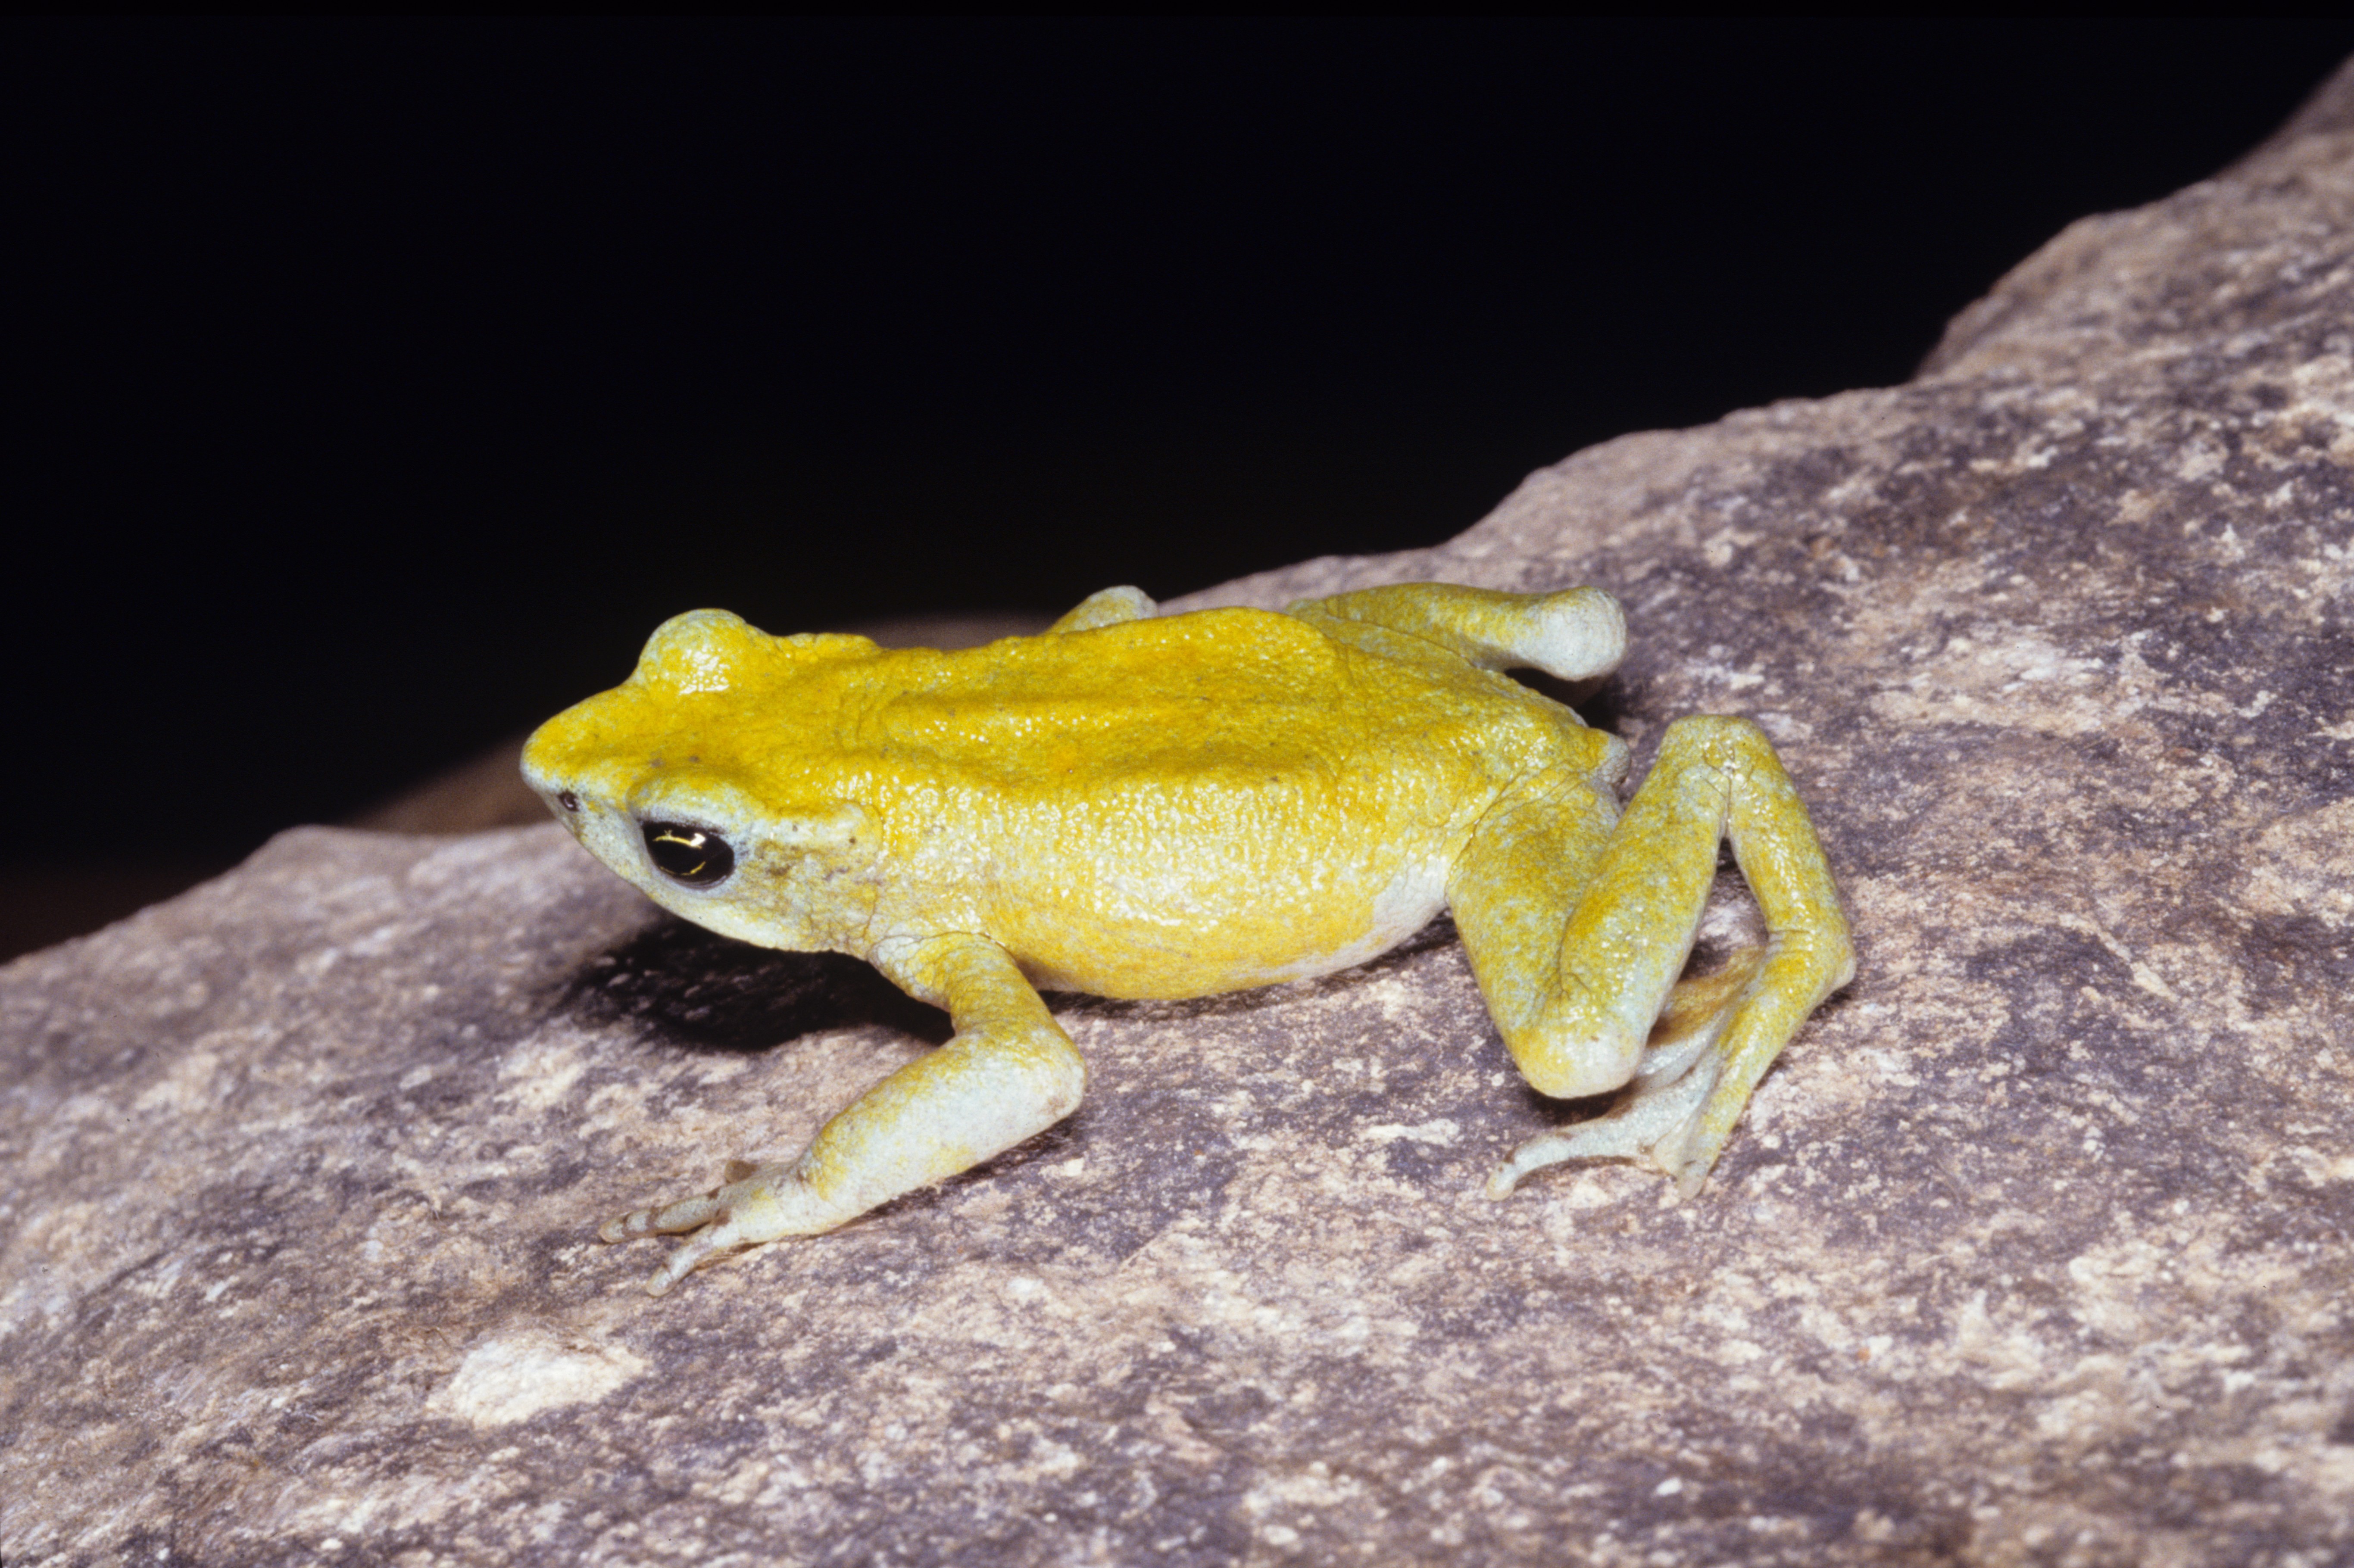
{"x":2034,"y":1248}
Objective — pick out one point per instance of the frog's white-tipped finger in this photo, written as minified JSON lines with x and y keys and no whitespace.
{"x":688,"y":1214}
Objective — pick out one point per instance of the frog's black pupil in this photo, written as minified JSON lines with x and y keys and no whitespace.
{"x":696,"y":856}
{"x":567,"y":799}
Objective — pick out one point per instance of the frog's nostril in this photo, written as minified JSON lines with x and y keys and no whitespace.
{"x":696,"y":857}
{"x":567,"y":799}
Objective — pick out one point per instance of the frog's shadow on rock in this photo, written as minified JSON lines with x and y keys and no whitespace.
{"x":1600,"y":702}
{"x":712,"y":992}
{"x":715,"y":994}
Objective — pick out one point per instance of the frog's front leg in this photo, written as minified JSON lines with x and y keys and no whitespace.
{"x":1009,"y":1073}
{"x":1576,"y":930}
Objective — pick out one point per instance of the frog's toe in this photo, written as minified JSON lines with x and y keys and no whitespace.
{"x":1655,"y":1123}
{"x":689,"y":1214}
{"x":761,"y":1205}
{"x":689,"y":1255}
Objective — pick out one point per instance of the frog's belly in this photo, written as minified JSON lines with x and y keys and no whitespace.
{"x":1136,"y":906}
{"x":1223,"y":950}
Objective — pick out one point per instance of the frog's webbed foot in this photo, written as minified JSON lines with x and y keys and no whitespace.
{"x":1577,"y":926}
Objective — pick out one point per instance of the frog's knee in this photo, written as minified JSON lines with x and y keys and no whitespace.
{"x":1574,"y":635}
{"x":1056,"y":1074}
{"x":1571,"y":1067}
{"x":1717,"y":739}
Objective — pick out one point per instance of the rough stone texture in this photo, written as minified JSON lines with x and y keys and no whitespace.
{"x":2034,"y":1249}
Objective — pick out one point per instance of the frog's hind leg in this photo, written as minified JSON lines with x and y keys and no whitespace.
{"x":1577,"y":1014}
{"x":1573,"y":635}
{"x":1695,"y":1018}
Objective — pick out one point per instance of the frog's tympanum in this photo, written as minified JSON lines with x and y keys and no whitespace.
{"x":1145,"y":806}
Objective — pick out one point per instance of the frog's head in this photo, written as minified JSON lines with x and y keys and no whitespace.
{"x":680,"y":780}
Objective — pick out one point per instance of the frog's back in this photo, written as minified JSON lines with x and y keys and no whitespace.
{"x":1218,"y":699}
{"x":1213,"y":695}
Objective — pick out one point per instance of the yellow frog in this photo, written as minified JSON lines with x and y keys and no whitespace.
{"x":1145,"y":806}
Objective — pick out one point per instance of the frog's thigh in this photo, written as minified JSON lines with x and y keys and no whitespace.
{"x":1632,"y":930}
{"x":1512,"y":892}
{"x":1576,"y":928}
{"x":1008,"y":1073}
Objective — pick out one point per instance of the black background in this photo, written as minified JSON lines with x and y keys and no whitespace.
{"x":375,"y":388}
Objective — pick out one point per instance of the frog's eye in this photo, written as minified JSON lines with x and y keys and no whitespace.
{"x":567,"y":799}
{"x":696,"y":856}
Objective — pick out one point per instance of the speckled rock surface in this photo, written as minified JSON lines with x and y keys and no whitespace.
{"x":2034,"y":1248}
